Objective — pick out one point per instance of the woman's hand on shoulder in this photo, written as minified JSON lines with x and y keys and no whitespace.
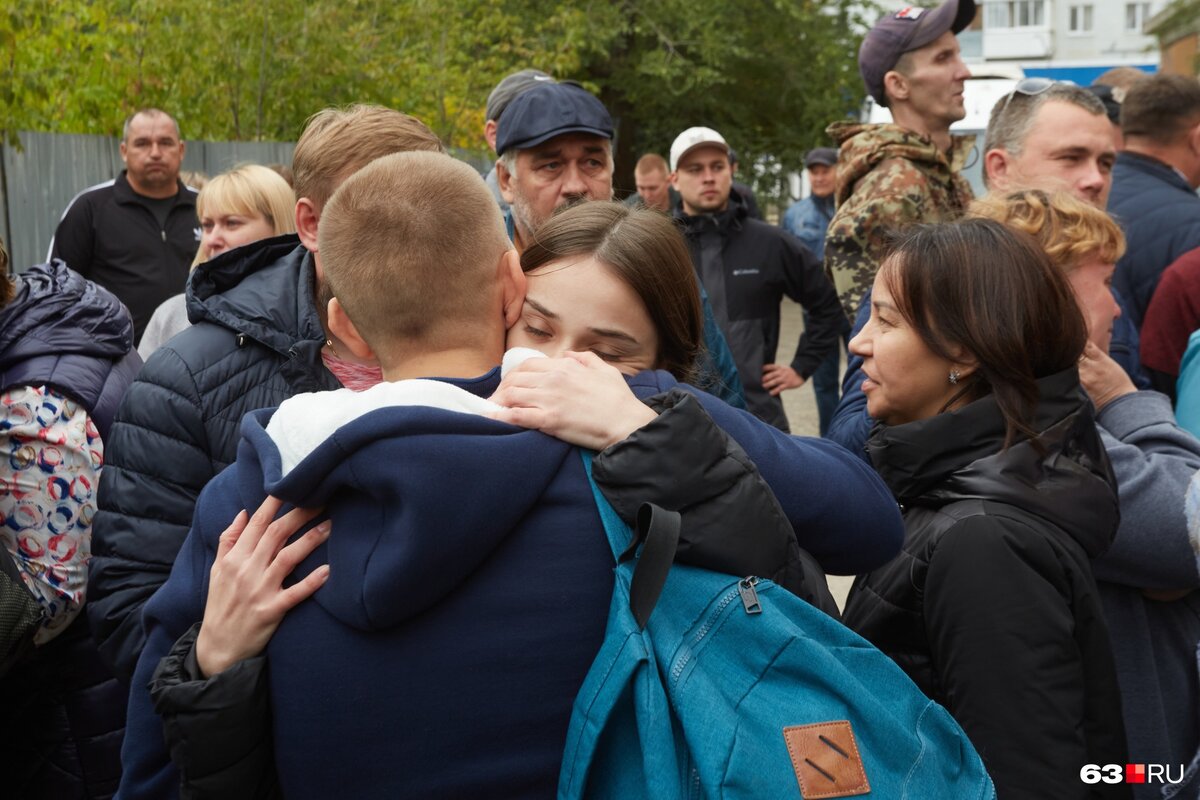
{"x":578,"y":398}
{"x":246,"y":597}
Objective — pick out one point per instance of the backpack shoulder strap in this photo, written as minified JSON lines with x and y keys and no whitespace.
{"x":657,"y":532}
{"x":620,"y":538}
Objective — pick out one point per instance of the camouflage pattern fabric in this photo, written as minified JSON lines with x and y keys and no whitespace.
{"x":887,"y":177}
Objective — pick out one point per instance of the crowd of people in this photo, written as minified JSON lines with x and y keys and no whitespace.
{"x":294,"y":505}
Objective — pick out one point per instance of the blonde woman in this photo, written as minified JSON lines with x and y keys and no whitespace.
{"x":237,"y":207}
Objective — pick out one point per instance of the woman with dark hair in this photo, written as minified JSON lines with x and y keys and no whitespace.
{"x":989,"y":445}
{"x":608,"y":259}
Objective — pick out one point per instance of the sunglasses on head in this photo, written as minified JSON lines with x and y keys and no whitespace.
{"x":1029,"y":87}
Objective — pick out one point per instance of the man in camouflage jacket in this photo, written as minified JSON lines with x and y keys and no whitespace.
{"x":907,"y":171}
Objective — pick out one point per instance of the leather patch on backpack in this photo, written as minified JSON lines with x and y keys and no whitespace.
{"x":825,"y":757}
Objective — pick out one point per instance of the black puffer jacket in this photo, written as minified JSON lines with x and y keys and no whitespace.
{"x":219,"y":729}
{"x":256,"y":341}
{"x":992,"y":608}
{"x":63,"y":711}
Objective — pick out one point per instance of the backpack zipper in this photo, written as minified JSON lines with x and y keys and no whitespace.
{"x":749,"y":596}
{"x":749,"y":600}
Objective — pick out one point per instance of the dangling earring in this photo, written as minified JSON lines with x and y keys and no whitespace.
{"x":953,"y":377}
{"x":329,"y":343}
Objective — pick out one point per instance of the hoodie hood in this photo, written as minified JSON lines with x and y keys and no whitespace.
{"x":864,"y":146}
{"x":56,"y":312}
{"x":253,"y":291}
{"x":387,"y":465}
{"x":957,"y":456}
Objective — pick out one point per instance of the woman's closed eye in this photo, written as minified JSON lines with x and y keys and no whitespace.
{"x":536,"y":333}
{"x":613,"y":357}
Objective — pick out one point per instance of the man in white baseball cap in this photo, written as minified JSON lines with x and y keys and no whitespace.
{"x":747,"y":267}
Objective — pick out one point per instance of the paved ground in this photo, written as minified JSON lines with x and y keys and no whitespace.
{"x":802,"y":409}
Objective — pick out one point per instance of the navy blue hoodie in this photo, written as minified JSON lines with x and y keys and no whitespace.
{"x":469,"y":587}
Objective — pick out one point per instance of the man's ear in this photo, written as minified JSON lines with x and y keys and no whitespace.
{"x":504,"y":181}
{"x":124,"y":160}
{"x":996,"y":168}
{"x":895,"y":85}
{"x":673,"y":179}
{"x":307,"y":218}
{"x":513,"y":283}
{"x":1193,"y":138}
{"x":489,"y":133}
{"x":341,"y":326}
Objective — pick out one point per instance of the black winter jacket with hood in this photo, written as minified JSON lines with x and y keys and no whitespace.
{"x":992,"y":608}
{"x":64,"y":712}
{"x":256,"y":341}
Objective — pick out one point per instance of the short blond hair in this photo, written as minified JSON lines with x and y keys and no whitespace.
{"x":251,"y":190}
{"x":409,"y":246}
{"x":339,"y":141}
{"x":651,"y":162}
{"x":1068,"y":229}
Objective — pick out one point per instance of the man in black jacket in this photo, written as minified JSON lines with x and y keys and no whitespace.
{"x":136,"y":235}
{"x":747,"y":267}
{"x":259,"y":337}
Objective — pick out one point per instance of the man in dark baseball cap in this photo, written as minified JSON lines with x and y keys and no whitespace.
{"x":906,"y":171}
{"x":808,"y":220}
{"x":555,"y":146}
{"x":905,"y":31}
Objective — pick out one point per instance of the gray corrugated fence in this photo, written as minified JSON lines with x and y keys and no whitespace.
{"x":39,"y":180}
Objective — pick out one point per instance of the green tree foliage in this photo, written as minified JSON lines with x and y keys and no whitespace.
{"x":58,"y":67}
{"x":769,"y":74}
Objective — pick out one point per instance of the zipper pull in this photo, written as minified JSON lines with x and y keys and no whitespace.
{"x":164,"y":235}
{"x":749,"y":596}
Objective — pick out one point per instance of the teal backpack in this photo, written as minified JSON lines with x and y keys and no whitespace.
{"x":707,"y":686}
